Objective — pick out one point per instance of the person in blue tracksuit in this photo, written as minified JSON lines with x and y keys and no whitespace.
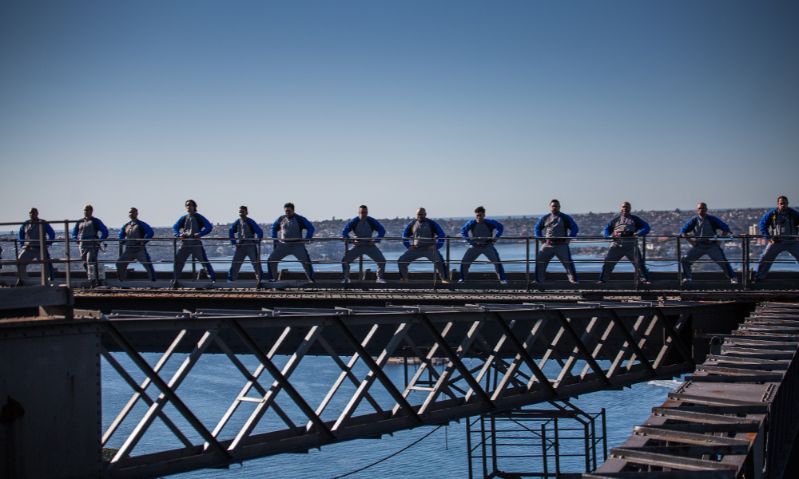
{"x":555,"y":229}
{"x":704,"y":228}
{"x":30,"y":245}
{"x":190,"y":228}
{"x":288,"y":241}
{"x":780,"y":226}
{"x":423,"y":238}
{"x":363,"y":228}
{"x":134,"y":235}
{"x":481,"y":233}
{"x":245,"y":234}
{"x":624,"y":229}
{"x":89,"y":233}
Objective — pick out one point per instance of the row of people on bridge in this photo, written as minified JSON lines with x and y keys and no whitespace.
{"x":422,"y":237}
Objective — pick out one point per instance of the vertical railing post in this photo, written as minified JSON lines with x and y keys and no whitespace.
{"x":346,"y":249}
{"x":679,"y":263}
{"x":68,"y":254}
{"x":42,"y":251}
{"x":447,"y":263}
{"x":174,"y":259}
{"x":745,"y":260}
{"x":557,"y":448}
{"x":544,"y":458}
{"x":527,"y":260}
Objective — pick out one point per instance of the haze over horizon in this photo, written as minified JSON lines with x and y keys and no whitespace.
{"x":445,"y":104}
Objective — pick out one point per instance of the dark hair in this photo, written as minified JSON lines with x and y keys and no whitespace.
{"x":133,"y":208}
{"x":782,"y":197}
{"x":479,"y":209}
{"x":289,"y":205}
{"x":242,"y":207}
{"x":192,"y":202}
{"x":554,"y":200}
{"x":364,"y":207}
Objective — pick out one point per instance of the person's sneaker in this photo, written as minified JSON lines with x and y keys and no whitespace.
{"x":213,"y":283}
{"x":381,"y":281}
{"x":573,"y":281}
{"x":685,"y":281}
{"x":461,"y":281}
{"x":601,"y":281}
{"x":733,"y":280}
{"x":444,"y":281}
{"x":174,"y":284}
{"x":503,"y":281}
{"x":645,"y":282}
{"x":345,"y":281}
{"x":19,"y":283}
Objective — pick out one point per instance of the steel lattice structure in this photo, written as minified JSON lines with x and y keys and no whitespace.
{"x":469,"y":360}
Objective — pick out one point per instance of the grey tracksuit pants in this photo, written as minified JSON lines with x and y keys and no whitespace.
{"x":545,"y":255}
{"x":364,"y":249}
{"x":489,"y":251}
{"x":131,"y":254}
{"x":33,"y":254}
{"x":714,"y":251}
{"x":244,"y":251}
{"x":771,"y":253}
{"x":193,"y":247}
{"x":429,"y":252}
{"x":290,"y":249}
{"x":624,"y":249}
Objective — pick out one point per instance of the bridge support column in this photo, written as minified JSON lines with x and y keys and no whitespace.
{"x":49,"y":401}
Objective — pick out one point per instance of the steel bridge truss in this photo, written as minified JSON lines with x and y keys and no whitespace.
{"x":464,"y":362}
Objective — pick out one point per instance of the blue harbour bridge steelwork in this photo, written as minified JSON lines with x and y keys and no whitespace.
{"x":475,"y":351}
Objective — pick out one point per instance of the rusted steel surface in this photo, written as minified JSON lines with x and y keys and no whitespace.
{"x":735,"y":416}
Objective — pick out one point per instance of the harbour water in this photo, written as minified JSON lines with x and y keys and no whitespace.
{"x":213,"y":383}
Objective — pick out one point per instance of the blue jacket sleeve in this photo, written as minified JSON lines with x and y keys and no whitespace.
{"x":75,"y":232}
{"x":178,"y":225}
{"x":719,"y":224}
{"x":498,"y":228}
{"x":643,"y":227}
{"x":607,"y":231}
{"x":465,"y":229}
{"x":381,"y":231}
{"x":259,"y":232}
{"x":231,"y":233}
{"x":207,"y":226}
{"x":764,"y":223}
{"x":406,"y":233}
{"x":348,"y":227}
{"x":50,"y":232}
{"x":276,"y":226}
{"x":21,"y":235}
{"x":103,"y":230}
{"x":688,"y":226}
{"x":122,"y":233}
{"x":572,"y":226}
{"x":309,"y":229}
{"x":538,"y":230}
{"x":440,"y":233}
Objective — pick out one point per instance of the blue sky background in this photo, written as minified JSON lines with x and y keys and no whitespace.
{"x":446,"y":104}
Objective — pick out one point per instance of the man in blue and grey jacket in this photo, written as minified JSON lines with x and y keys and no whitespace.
{"x":190,"y":228}
{"x":31,"y":245}
{"x":362,"y":228}
{"x":704,"y":228}
{"x":625,"y":228}
{"x":89,"y":232}
{"x":287,"y":233}
{"x":555,"y":229}
{"x":428,"y":238}
{"x":245,"y":234}
{"x":134,"y":235}
{"x":481,"y":233}
{"x":780,"y":226}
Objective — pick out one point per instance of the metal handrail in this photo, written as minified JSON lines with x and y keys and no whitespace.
{"x":533,"y":242}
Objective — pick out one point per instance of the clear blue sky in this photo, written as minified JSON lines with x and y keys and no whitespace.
{"x":446,"y":104}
